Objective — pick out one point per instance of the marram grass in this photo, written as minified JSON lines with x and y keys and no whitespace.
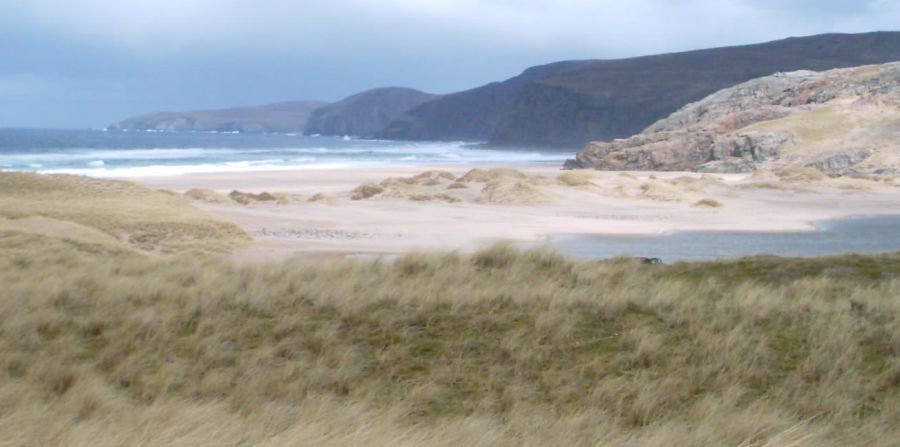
{"x":104,"y":341}
{"x":496,"y":348}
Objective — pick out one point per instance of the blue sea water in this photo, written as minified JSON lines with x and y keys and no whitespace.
{"x":141,"y":154}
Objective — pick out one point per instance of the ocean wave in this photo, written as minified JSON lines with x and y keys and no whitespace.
{"x":73,"y":155}
{"x":148,"y":162}
{"x":173,"y":170}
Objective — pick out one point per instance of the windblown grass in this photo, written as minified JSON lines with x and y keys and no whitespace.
{"x":579,"y":177}
{"x":101,"y":344}
{"x":663,"y":191}
{"x":708,"y":203}
{"x":362,"y":192}
{"x":207,"y":195}
{"x":494,"y":186}
{"x":497,"y":348}
{"x":125,"y":212}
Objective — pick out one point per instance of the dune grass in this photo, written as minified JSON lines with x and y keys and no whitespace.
{"x":102,"y":344}
{"x":497,"y":348}
{"x":207,"y":195}
{"x":578,"y":177}
{"x":708,"y":203}
{"x":125,"y":212}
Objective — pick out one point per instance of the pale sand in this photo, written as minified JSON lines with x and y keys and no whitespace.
{"x":383,"y":225}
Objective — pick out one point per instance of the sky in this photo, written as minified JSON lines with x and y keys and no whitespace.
{"x":88,"y":63}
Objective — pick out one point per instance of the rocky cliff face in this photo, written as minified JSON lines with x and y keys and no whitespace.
{"x":843,"y":121}
{"x":365,"y":113}
{"x":619,"y":98}
{"x":288,"y":116}
{"x":570,"y":103}
{"x":470,"y":115}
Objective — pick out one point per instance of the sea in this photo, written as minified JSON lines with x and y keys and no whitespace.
{"x":136,"y":154}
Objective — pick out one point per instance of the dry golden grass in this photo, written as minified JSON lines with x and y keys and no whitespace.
{"x":496,"y":348}
{"x":322,"y":198}
{"x":125,"y":212}
{"x":497,"y":186}
{"x":438,"y":197}
{"x":801,"y":174}
{"x":486,"y":175}
{"x":101,"y":344}
{"x":701,"y":183}
{"x":815,"y":177}
{"x":580,"y":177}
{"x":708,"y":203}
{"x":362,"y":192}
{"x":663,"y":191}
{"x":432,"y":176}
{"x":246,"y":198}
{"x":207,"y":195}
{"x":514,"y":191}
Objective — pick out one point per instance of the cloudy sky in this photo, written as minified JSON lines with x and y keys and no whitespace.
{"x":87,"y":63}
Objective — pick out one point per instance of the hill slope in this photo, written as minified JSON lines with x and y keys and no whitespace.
{"x":568,"y":104}
{"x":290,"y":116}
{"x":470,"y":115}
{"x":842,"y":121}
{"x":366,"y":113}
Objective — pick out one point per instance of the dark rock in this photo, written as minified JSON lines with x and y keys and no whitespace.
{"x":840,"y":164}
{"x":279,"y":117}
{"x":366,"y":113}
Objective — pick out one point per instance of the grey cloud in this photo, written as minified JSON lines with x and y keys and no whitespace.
{"x":109,"y":58}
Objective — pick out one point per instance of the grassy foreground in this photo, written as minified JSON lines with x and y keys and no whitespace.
{"x":101,"y":345}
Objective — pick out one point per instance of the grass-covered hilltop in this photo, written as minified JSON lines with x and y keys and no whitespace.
{"x":134,"y":329}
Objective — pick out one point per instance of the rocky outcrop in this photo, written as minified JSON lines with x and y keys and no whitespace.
{"x":284,"y":117}
{"x":568,"y":104}
{"x":365,"y":113}
{"x":842,"y":121}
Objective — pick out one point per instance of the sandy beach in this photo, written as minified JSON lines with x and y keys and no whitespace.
{"x":332,"y":223}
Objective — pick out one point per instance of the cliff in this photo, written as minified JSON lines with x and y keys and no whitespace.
{"x":568,"y":104}
{"x":470,"y":115}
{"x":842,"y":121}
{"x":288,"y":116}
{"x":365,"y":113}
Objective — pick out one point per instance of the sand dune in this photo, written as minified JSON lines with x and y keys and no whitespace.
{"x":461,"y":208}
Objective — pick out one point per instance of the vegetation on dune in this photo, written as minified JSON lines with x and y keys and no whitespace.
{"x":577,"y":177}
{"x":495,"y":186}
{"x":366,"y":191}
{"x":497,"y":348}
{"x":207,"y":195}
{"x":123,"y":212}
{"x":708,"y":203}
{"x":103,"y":344}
